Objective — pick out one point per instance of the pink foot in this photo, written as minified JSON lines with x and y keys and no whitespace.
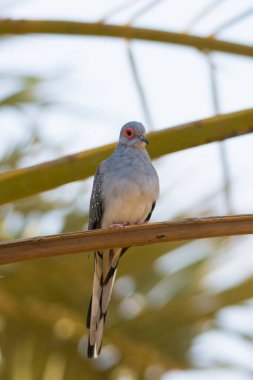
{"x":117,"y":225}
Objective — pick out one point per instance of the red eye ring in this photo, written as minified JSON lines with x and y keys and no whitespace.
{"x":129,"y":133}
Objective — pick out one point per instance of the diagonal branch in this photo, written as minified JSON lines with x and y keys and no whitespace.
{"x":231,"y":22}
{"x":145,"y":9}
{"x":19,"y":27}
{"x":21,"y":183}
{"x":203,"y":14}
{"x":145,"y":234}
{"x":133,"y":65}
{"x":139,"y":87}
{"x":222,"y":146}
{"x":118,"y":9}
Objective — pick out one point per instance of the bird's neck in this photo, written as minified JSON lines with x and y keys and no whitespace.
{"x":141,"y":147}
{"x":131,"y":152}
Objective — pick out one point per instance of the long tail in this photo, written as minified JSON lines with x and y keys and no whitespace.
{"x":106,"y":263}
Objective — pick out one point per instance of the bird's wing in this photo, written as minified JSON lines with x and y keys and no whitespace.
{"x":106,"y":263}
{"x":96,"y":202}
{"x":151,"y":211}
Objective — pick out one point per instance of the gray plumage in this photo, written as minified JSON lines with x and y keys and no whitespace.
{"x":125,"y":191}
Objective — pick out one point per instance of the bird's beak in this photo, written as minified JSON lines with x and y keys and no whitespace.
{"x":143,"y":138}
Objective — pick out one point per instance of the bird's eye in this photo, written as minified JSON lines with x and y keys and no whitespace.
{"x":129,"y":133}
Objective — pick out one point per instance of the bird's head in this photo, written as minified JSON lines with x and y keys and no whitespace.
{"x":133,"y":134}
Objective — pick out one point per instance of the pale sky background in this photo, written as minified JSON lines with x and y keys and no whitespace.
{"x":91,"y":80}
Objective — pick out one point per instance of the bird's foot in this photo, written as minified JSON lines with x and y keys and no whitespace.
{"x":118,"y":225}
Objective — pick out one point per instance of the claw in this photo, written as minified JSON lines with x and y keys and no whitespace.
{"x":118,"y":225}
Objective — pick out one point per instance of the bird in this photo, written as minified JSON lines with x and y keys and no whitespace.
{"x":125,"y":191}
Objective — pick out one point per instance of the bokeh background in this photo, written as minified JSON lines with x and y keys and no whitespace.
{"x":179,"y":311}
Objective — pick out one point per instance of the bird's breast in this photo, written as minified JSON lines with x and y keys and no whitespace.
{"x":129,"y":200}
